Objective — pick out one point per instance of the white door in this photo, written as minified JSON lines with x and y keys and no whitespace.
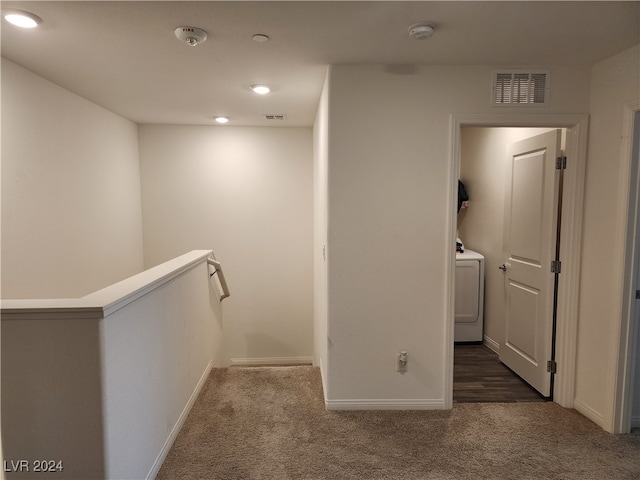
{"x":531,"y":206}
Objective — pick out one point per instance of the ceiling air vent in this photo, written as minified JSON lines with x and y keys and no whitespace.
{"x":518,"y":87}
{"x":274,"y":116}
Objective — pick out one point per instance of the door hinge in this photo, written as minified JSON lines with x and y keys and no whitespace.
{"x":556,"y":266}
{"x":552,"y":366}
{"x":561,"y":163}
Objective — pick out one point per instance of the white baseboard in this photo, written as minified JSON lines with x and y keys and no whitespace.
{"x":492,"y":344}
{"x":272,"y":360}
{"x":385,"y":404}
{"x":589,"y":412}
{"x":176,"y":428}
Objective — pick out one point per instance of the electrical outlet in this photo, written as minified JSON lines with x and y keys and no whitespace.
{"x":401,"y":362}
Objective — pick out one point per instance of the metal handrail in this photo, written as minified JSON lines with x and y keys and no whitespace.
{"x":223,"y":282}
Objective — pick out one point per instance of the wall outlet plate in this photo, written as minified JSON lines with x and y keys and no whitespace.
{"x":400,"y":365}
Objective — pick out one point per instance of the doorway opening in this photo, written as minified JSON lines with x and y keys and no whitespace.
{"x":571,"y":225}
{"x":511,"y":179}
{"x":480,"y":377}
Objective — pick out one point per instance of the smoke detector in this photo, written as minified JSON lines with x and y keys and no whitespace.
{"x":421,"y":31}
{"x":191,"y":35}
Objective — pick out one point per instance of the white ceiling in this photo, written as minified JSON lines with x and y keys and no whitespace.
{"x":124,"y":56}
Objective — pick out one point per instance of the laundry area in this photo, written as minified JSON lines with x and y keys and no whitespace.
{"x":483,"y":288}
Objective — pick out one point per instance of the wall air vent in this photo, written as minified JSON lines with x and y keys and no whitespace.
{"x":521,"y":88}
{"x":274,"y":116}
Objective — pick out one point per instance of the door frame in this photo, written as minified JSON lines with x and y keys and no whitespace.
{"x":624,"y":352}
{"x":570,"y":243}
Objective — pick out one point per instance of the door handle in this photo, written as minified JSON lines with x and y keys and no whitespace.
{"x":503,"y":267}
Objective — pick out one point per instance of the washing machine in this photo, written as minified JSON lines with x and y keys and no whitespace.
{"x":469,"y":295}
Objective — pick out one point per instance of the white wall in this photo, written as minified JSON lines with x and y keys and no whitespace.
{"x":320,"y":173}
{"x":246,"y":193}
{"x":614,"y":82}
{"x":389,"y":211}
{"x":52,"y":393}
{"x":104,"y":382}
{"x":70,"y":191}
{"x":483,"y":162}
{"x":156,"y":356}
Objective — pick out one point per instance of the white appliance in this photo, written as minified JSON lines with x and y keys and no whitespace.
{"x":469,"y":305}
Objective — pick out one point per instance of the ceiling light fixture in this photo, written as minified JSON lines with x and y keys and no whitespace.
{"x":191,"y":35}
{"x":22,"y":19}
{"x":260,"y":38}
{"x":260,"y":89}
{"x":421,"y":31}
{"x":222,"y":119}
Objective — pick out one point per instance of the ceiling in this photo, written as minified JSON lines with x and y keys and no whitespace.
{"x":125,"y":57}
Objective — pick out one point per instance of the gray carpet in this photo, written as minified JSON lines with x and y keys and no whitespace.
{"x":270,"y":423}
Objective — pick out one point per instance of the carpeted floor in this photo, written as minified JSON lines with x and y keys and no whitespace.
{"x":270,"y":423}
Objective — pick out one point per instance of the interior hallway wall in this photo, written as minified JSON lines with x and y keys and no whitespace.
{"x":483,"y":162}
{"x":71,"y":216}
{"x":390,"y":210}
{"x":320,"y":188}
{"x":635,"y":399}
{"x":246,"y":193}
{"x":614,"y":82}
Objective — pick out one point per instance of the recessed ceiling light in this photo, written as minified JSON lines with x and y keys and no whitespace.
{"x":260,"y":38}
{"x":222,"y":119}
{"x":22,"y":19}
{"x":260,"y":89}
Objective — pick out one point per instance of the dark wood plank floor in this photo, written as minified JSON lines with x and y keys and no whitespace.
{"x":478,"y":376}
